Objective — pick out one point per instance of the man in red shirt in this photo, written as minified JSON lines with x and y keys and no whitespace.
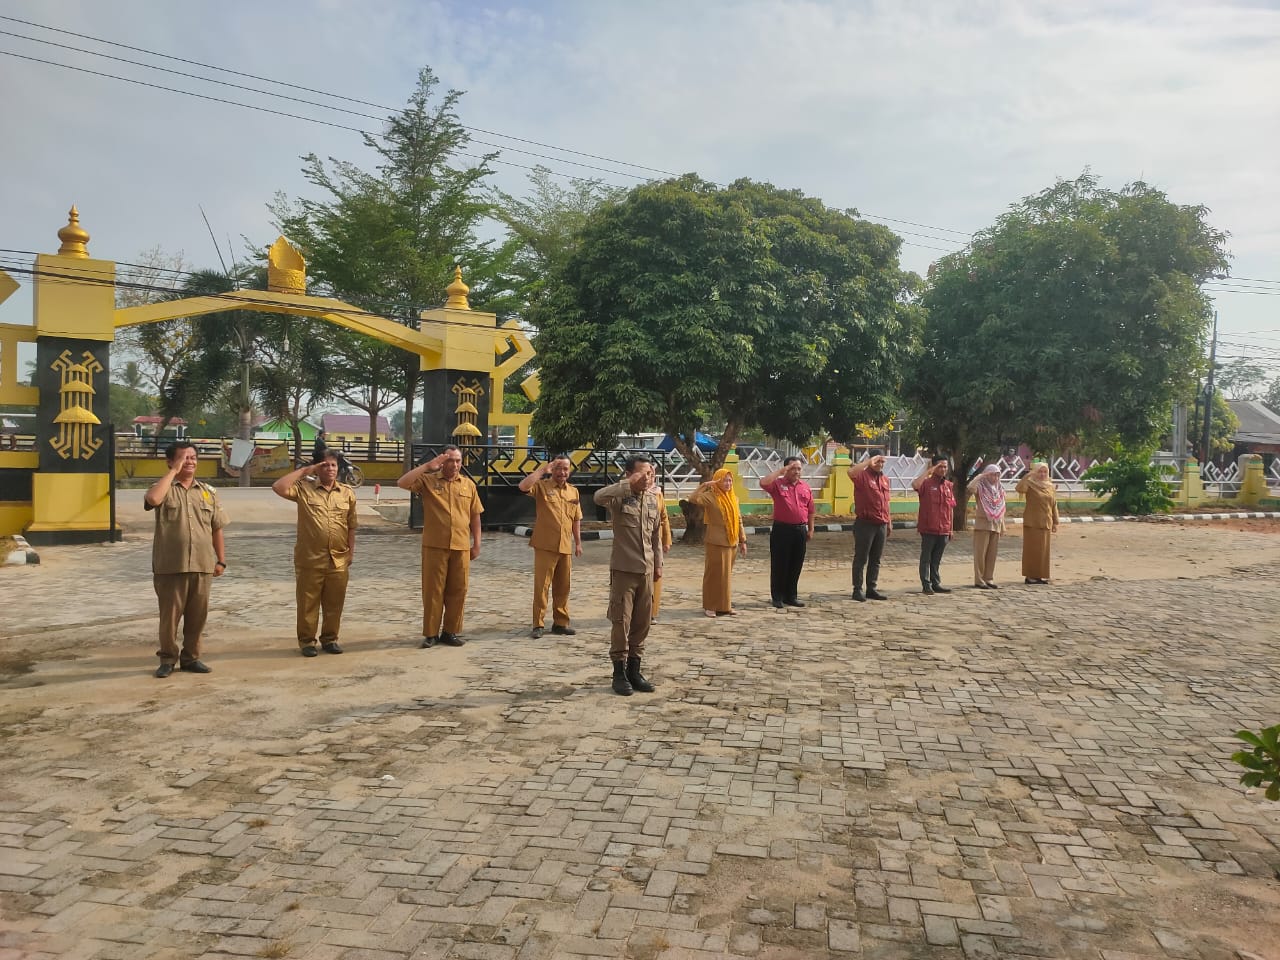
{"x":791,"y":531}
{"x":870,"y":523}
{"x":937,"y":503}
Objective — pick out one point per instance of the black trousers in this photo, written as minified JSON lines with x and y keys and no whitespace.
{"x":868,"y":545}
{"x":787,"y":544}
{"x":931,"y":547}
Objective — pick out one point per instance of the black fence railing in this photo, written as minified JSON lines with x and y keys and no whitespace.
{"x":497,"y":470}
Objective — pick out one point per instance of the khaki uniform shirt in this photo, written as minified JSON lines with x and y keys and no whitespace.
{"x":717,"y":534}
{"x":558,"y":508}
{"x":637,"y":528}
{"x":325,"y":517}
{"x":185,"y":522}
{"x":447,"y":509}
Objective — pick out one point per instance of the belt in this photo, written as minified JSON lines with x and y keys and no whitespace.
{"x":779,"y":523}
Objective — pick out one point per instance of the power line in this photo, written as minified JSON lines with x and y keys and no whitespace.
{"x":294,"y":86}
{"x":658,"y":170}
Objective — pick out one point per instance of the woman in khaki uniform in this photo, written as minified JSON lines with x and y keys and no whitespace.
{"x":724,"y":534}
{"x":665,"y":520}
{"x":1039,"y":522}
{"x":988,"y":524}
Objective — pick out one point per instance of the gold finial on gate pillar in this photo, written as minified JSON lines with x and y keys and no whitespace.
{"x":73,"y":237}
{"x":457,"y":292}
{"x":286,"y":269}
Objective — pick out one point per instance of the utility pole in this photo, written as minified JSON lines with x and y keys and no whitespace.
{"x":1208,"y":394}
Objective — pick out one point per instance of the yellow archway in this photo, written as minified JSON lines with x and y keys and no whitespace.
{"x":75,"y":323}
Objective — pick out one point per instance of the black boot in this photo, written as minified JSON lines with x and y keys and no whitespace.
{"x":636,"y":678}
{"x":621,"y":685}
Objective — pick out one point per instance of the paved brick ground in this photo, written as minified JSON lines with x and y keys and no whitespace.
{"x":1038,"y":772}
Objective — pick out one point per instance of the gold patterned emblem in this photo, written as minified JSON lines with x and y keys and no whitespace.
{"x":467,"y":432}
{"x":75,"y":419}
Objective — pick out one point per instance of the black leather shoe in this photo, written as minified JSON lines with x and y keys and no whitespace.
{"x":309,"y":650}
{"x":536,"y":633}
{"x":428,"y":642}
{"x":992,"y":586}
{"x":331,"y":646}
{"x":195,"y":666}
{"x":939,"y":588}
{"x":777,"y":604}
{"x":859,"y":596}
{"x":794,"y":603}
{"x":621,"y":685}
{"x":451,"y":639}
{"x":876,"y":595}
{"x":164,"y":670}
{"x":564,"y":631}
{"x":927,"y":590}
{"x":980,"y":586}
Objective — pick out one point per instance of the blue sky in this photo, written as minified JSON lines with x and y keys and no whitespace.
{"x":927,"y":112}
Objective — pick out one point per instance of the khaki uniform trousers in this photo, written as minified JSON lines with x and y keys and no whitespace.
{"x":630,"y":613}
{"x":986,"y":544}
{"x":321,"y":591}
{"x":551,"y":571}
{"x":444,"y":589}
{"x":185,"y":597}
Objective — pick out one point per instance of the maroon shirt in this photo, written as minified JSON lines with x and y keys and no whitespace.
{"x":871,"y":496}
{"x":792,"y":502}
{"x":937,"y":506}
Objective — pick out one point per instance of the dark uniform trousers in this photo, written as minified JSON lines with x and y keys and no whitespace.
{"x":183,"y":597}
{"x":551,"y":571}
{"x":630,"y":612}
{"x":868,"y":545}
{"x":788,"y":543}
{"x":444,"y":589}
{"x":322,"y":591}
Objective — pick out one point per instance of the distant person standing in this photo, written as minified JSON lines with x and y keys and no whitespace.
{"x":934,"y":522}
{"x":793,"y":513}
{"x":324,"y":550}
{"x":451,"y":511}
{"x":187,"y":553}
{"x":988,"y":524}
{"x":556,"y":540}
{"x":871,"y":523}
{"x":635,"y":564}
{"x":1039,"y":522}
{"x":665,"y":520}
{"x":725,"y":538}
{"x":319,"y":447}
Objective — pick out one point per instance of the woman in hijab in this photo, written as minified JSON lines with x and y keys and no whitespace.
{"x":988,"y":525}
{"x":1039,"y":521}
{"x":724,"y":535}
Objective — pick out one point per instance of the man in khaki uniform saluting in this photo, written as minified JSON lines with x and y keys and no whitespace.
{"x":634,"y":565}
{"x":187,"y":553}
{"x":556,"y":540}
{"x":324,"y":549}
{"x":450,"y":541}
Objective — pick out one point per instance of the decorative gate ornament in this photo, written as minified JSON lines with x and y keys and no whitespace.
{"x":76,"y":419}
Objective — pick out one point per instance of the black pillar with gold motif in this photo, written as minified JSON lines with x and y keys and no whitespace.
{"x":74,"y":319}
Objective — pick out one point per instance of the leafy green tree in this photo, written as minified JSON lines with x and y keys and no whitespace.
{"x":545,"y":226}
{"x":1074,"y":321}
{"x":1240,"y":379}
{"x":1271,"y":396}
{"x":294,"y":372}
{"x":783,"y":313}
{"x":1222,"y":427}
{"x":388,"y":240}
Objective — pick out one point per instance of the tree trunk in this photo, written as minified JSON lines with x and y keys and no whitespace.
{"x":373,"y":432}
{"x":297,"y":441}
{"x":410,"y":394}
{"x":694,"y":525}
{"x":246,"y":433}
{"x":962,"y":462}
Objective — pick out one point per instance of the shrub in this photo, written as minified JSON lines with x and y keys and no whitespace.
{"x":1134,"y":483}
{"x":1262,"y":763}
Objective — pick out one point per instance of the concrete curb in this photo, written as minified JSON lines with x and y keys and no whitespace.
{"x":522,"y":531}
{"x":21,"y":553}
